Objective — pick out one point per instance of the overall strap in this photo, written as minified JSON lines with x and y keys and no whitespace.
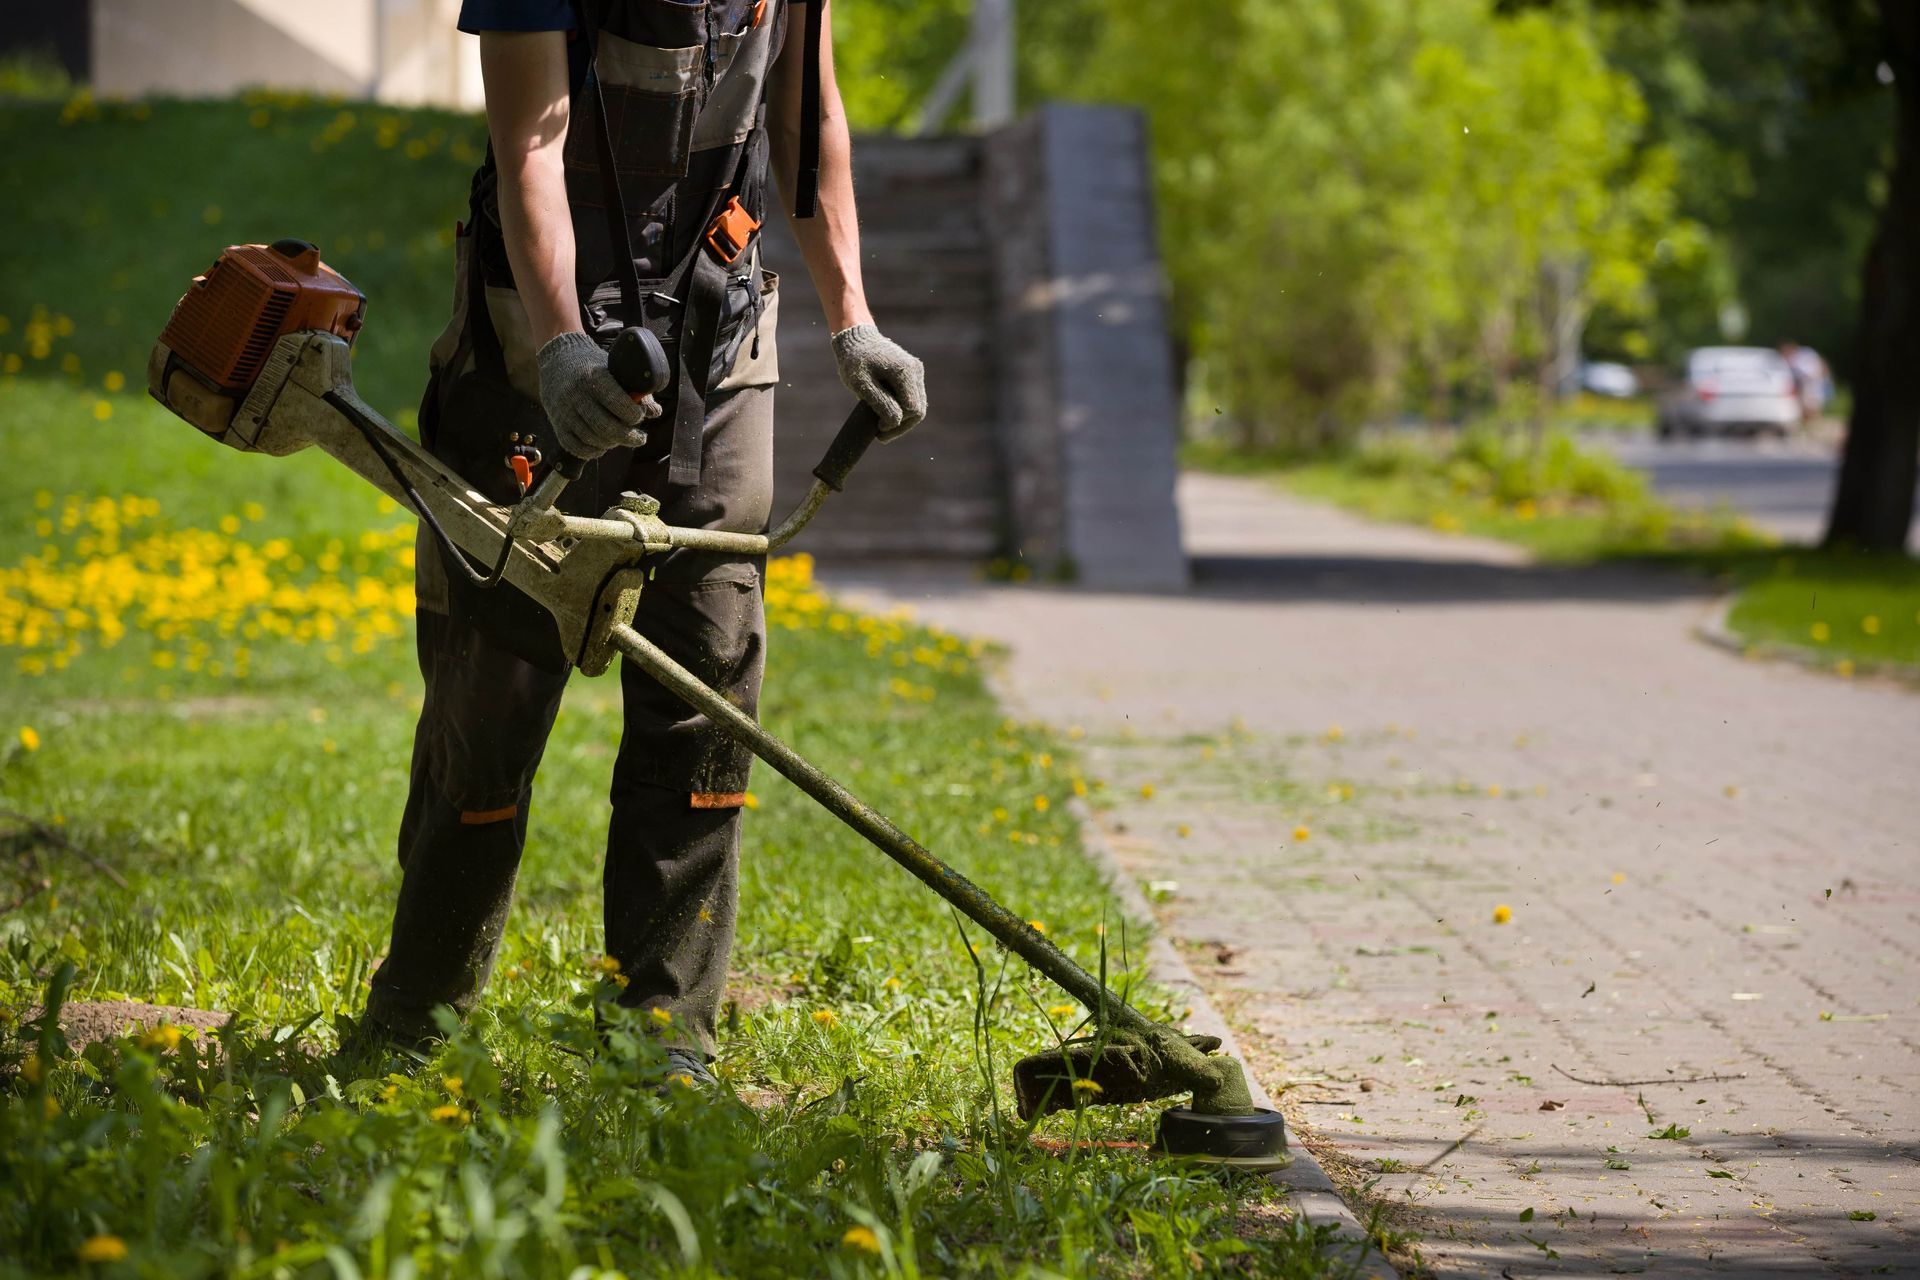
{"x":699,"y":282}
{"x":620,"y":236}
{"x":806,"y":187}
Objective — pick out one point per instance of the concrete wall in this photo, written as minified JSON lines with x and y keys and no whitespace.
{"x":400,"y":51}
{"x":1022,"y":268}
{"x":1102,"y":416}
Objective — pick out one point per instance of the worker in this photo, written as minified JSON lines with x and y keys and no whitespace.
{"x":627,"y":178}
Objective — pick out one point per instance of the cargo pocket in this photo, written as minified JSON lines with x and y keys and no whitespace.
{"x":749,"y":357}
{"x":652,"y":96}
{"x":707,"y":617}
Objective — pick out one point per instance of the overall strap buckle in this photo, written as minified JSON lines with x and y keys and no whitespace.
{"x":731,"y":231}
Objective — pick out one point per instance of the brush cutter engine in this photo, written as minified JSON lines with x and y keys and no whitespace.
{"x":257,"y":355}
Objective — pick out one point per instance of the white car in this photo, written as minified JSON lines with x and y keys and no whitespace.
{"x":1732,"y":391}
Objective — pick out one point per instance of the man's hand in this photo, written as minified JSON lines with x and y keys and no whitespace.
{"x":883,"y":374}
{"x":589,"y":410}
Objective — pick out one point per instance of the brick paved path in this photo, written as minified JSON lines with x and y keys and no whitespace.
{"x":1361,"y":741}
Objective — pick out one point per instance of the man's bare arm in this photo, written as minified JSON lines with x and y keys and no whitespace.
{"x":830,"y":241}
{"x":525,"y":74}
{"x":872,"y":366}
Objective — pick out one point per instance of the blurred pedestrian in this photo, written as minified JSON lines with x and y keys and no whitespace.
{"x":1812,"y":380}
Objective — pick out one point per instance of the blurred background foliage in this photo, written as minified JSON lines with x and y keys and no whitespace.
{"x":1373,"y":207}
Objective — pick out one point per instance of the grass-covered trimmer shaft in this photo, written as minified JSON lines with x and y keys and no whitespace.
{"x":256,"y":356}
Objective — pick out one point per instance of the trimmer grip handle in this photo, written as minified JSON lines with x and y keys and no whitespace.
{"x":861,"y":429}
{"x":639,"y":364}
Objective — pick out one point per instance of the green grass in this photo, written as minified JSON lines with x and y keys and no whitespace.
{"x":1848,"y":612}
{"x":116,"y":206}
{"x":197,"y":828}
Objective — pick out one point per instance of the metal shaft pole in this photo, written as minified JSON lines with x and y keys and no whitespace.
{"x":974,"y":902}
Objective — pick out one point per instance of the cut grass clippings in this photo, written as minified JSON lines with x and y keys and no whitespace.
{"x":209,"y":694}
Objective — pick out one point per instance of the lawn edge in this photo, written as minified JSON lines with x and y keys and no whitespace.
{"x":1309,"y":1190}
{"x":1714,"y":630}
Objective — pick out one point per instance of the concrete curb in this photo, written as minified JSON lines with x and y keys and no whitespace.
{"x":1307,"y":1185}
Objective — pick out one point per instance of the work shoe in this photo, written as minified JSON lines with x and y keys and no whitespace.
{"x":687,"y":1070}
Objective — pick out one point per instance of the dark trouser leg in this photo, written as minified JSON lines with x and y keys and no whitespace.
{"x":482,"y":730}
{"x":671,"y":885}
{"x":678,"y":784}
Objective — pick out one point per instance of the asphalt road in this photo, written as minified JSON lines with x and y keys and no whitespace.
{"x":1782,"y":485}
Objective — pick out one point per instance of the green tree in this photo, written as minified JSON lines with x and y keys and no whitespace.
{"x":1362,"y":198}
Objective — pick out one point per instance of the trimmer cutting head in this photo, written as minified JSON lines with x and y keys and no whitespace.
{"x":1222,"y":1127}
{"x":1096,"y":1071}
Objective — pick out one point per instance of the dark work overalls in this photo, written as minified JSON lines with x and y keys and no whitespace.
{"x":681,"y":90}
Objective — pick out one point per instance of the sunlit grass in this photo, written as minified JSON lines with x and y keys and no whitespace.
{"x":207,"y":695}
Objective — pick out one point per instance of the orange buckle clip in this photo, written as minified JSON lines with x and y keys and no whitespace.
{"x":731,"y":232}
{"x":522,"y":471}
{"x":759,"y":12}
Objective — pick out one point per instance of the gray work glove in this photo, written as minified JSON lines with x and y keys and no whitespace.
{"x":589,"y":410}
{"x":880,"y":372}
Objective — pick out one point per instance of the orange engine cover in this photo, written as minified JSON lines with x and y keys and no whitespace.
{"x":225,"y":325}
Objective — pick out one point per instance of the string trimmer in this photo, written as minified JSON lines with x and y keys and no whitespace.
{"x":256,"y":355}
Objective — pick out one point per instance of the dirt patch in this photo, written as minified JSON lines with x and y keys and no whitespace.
{"x":86,"y":1022}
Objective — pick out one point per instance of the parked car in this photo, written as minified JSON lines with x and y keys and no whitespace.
{"x":1607,"y":378}
{"x":1732,"y":391}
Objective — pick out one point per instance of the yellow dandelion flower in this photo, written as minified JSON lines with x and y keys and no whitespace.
{"x":29,"y":738}
{"x":1302,"y":833}
{"x":752,"y":801}
{"x":1502,"y":914}
{"x":114,"y":380}
{"x":1729,"y":791}
{"x":1844,"y":668}
{"x":660,"y":1016}
{"x":1146,"y":791}
{"x":1335,"y":733}
{"x":1183,"y":830}
{"x":1041,"y":804}
{"x":165,"y":1038}
{"x":101,"y":1249}
{"x":1619,"y":877}
{"x":825,"y":1017}
{"x":452,"y":1084}
{"x":608,"y":965}
{"x":1087,"y":1086}
{"x":448,"y":1111}
{"x":1820,"y":632}
{"x":892,"y":984}
{"x":102,"y":409}
{"x":862,"y":1239}
{"x":1062,"y":1010}
{"x":1870,"y":624}
{"x":1038,"y":926}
